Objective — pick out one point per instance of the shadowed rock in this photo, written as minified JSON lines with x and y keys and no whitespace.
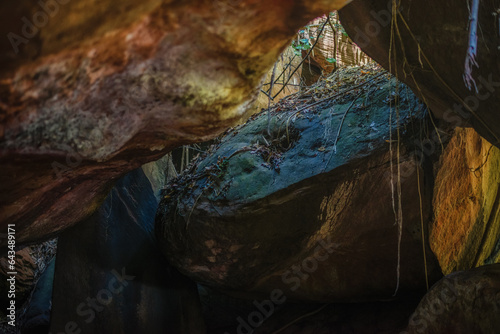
{"x":430,"y":42}
{"x":296,"y":212}
{"x":462,"y":302}
{"x":38,"y":313}
{"x":111,"y":278}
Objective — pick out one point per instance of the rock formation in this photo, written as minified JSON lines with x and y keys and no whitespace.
{"x":305,"y":205}
{"x":31,"y":264}
{"x":429,"y":47}
{"x":225,"y":314}
{"x":111,"y":278}
{"x":305,"y":210}
{"x":465,"y":231}
{"x":88,"y":93}
{"x":462,"y":302}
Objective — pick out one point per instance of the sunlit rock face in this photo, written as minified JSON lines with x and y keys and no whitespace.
{"x":465,"y":231}
{"x":89,"y":91}
{"x":430,"y":42}
{"x":298,"y":212}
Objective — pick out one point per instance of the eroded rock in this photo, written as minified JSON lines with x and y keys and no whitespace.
{"x":465,"y":231}
{"x":462,"y":302}
{"x":298,"y":211}
{"x":97,"y":91}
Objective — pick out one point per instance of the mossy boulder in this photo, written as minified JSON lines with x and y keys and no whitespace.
{"x":288,"y":201}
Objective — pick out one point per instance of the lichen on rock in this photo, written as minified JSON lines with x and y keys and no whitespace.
{"x":279,"y":187}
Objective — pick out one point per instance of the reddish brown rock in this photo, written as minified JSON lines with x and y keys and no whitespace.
{"x":465,"y":231}
{"x":99,"y":90}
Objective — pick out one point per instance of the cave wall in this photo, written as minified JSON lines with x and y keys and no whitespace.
{"x":90,"y":91}
{"x":425,"y":44}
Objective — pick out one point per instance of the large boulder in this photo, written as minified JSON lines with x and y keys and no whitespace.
{"x":308,"y":209}
{"x":463,"y":302}
{"x":465,"y":231}
{"x":430,"y":41}
{"x":89,"y":92}
{"x":111,"y":278}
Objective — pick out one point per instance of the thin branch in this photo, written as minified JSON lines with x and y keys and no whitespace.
{"x":270,"y":98}
{"x":301,"y":318}
{"x":286,"y":68}
{"x":340,"y":130}
{"x":303,"y":60}
{"x":334,"y":39}
{"x":339,"y":94}
{"x":340,"y":126}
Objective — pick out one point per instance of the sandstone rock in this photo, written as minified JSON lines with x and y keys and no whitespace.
{"x":332,"y":44}
{"x":288,"y":212}
{"x":429,"y":51}
{"x":462,"y":302}
{"x":111,"y":278}
{"x":89,"y":92}
{"x":465,"y":232}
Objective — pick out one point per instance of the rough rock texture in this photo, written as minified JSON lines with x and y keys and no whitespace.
{"x":25,"y":279}
{"x":287,"y":212}
{"x":89,"y":92}
{"x":461,"y":303}
{"x":465,"y":232}
{"x":111,"y":278}
{"x":429,"y":51}
{"x":30,"y":264}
